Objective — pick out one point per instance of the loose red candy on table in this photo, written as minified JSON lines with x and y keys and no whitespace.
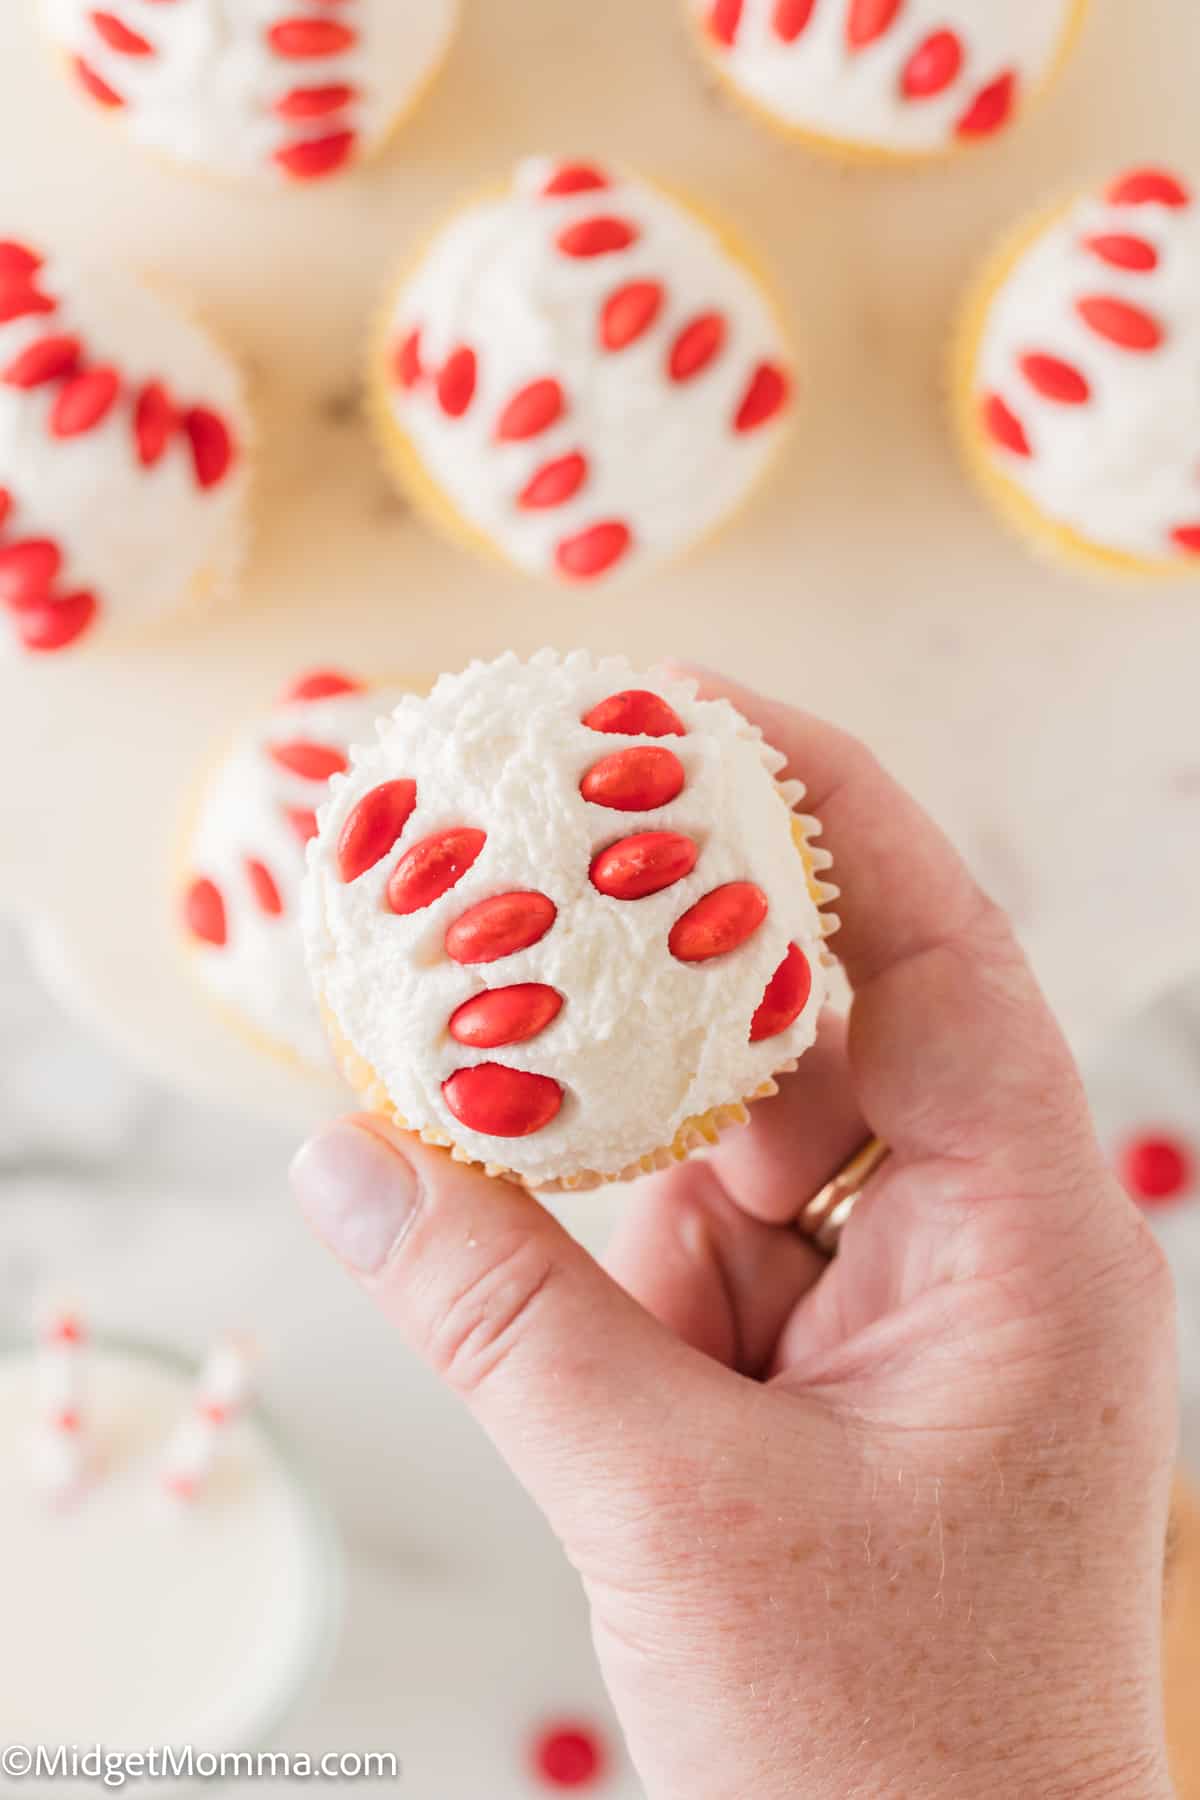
{"x":569,"y":1756}
{"x":1157,"y":1169}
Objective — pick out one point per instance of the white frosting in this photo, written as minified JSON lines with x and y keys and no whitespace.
{"x":1123,"y":468}
{"x":823,"y":83}
{"x":209,"y":91}
{"x":260,"y":971}
{"x":643,"y":1041}
{"x":144,"y":1622}
{"x":143,"y":540}
{"x":664,"y":458}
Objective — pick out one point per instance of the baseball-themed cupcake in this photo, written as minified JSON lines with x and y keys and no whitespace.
{"x":562,"y":919}
{"x":294,"y":89}
{"x":239,"y":897}
{"x":580,"y":375}
{"x":880,"y":80}
{"x":123,"y":456}
{"x":1077,"y":379}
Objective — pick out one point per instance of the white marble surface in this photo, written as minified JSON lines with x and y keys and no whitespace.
{"x":1051,"y":724}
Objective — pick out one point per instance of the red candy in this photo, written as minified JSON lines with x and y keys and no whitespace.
{"x":724,"y":20}
{"x":311,"y":37}
{"x":211,"y":445}
{"x":1156,"y":1169}
{"x":95,"y":84}
{"x":84,"y":402}
{"x":869,"y":19}
{"x":204,"y":913}
{"x":764,"y":397}
{"x":456,"y":383}
{"x":1142,"y":187}
{"x":374,"y":827}
{"x":54,"y":624}
{"x":574,"y":178}
{"x":629,"y":312}
{"x":555,"y":482}
{"x":636,"y":712}
{"x":321,"y":684}
{"x":1123,"y":251}
{"x":1055,"y":380}
{"x":990,"y":109}
{"x":302,"y":821}
{"x":500,"y":927}
{"x":599,"y":236}
{"x":1122,"y":324}
{"x":310,"y":158}
{"x":18,"y":260}
{"x":785,"y":998}
{"x":153,"y":423}
{"x":593,"y":551}
{"x":569,"y":1756}
{"x":1187,"y":537}
{"x":1003,"y":426}
{"x":719,"y":923}
{"x":510,"y":1015}
{"x":635,"y":780}
{"x":46,"y":359}
{"x":407,"y":360}
{"x":313,"y":762}
{"x":696,"y":346}
{"x":432,"y":867}
{"x":266,"y":893}
{"x":19,"y":298}
{"x":790,"y":17}
{"x":645,"y":864}
{"x":532,"y":410}
{"x":5,"y":504}
{"x":315,"y":102}
{"x":27,"y":569}
{"x":933,"y":66}
{"x":500,"y":1102}
{"x":119,"y":37}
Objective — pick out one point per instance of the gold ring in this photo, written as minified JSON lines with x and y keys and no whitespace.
{"x":823,"y":1219}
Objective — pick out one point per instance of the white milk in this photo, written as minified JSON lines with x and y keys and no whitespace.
{"x":130,"y":1620}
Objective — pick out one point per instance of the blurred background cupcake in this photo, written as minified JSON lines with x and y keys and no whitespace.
{"x":124,"y":463}
{"x":886,"y":79}
{"x":244,"y":860}
{"x":558,"y":920}
{"x":255,"y":89}
{"x":580,"y":374}
{"x":1077,"y":380}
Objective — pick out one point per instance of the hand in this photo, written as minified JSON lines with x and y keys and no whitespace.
{"x":891,"y":1527}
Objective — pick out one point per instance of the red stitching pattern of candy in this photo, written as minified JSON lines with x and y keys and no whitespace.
{"x":889,"y":78}
{"x":1084,"y":375}
{"x":300,"y":89}
{"x":239,"y":897}
{"x":123,"y":475}
{"x":584,"y":371}
{"x":563,"y":919}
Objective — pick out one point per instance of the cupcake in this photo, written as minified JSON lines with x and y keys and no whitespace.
{"x":580,"y":375}
{"x":123,"y":467}
{"x":244,"y":860}
{"x":562,"y":920}
{"x":1077,"y":379}
{"x":253,"y":87}
{"x":886,"y":80}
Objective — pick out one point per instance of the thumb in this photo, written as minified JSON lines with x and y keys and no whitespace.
{"x":571,"y":1379}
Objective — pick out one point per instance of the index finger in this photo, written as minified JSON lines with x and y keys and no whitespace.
{"x":953,"y":1048}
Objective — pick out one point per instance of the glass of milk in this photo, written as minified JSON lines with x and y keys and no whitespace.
{"x":136,"y":1620}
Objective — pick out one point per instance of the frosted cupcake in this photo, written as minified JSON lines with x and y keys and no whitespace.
{"x":1077,"y":381}
{"x":562,"y":919}
{"x":256,"y":87}
{"x":580,"y":375}
{"x":244,"y":861}
{"x":887,"y":79}
{"x":123,"y":466}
